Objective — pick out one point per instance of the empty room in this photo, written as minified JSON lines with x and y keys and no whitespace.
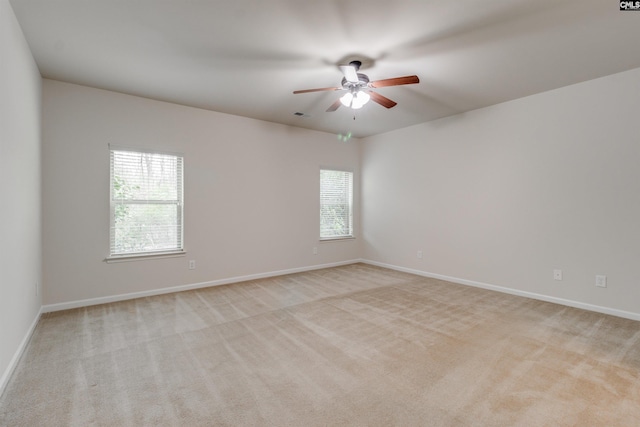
{"x":319,"y":213}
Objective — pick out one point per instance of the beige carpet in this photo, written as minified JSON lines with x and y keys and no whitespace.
{"x":355,"y":346}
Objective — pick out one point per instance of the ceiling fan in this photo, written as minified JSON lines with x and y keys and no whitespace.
{"x":358,"y":87}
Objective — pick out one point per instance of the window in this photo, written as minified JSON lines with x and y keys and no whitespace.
{"x":146,"y":203}
{"x":336,"y":204}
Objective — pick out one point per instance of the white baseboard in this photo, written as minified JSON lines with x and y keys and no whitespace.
{"x":541,"y":297}
{"x":122,"y":297}
{"x":6,"y":375}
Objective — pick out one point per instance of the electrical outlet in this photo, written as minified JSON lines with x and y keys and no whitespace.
{"x":37,"y":289}
{"x":557,"y":274}
{"x":419,"y":255}
{"x":601,"y":281}
{"x":315,"y":250}
{"x":192,"y":264}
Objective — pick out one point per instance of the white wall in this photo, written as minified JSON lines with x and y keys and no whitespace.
{"x":251,"y":193}
{"x":505,"y":194}
{"x":20,"y":254}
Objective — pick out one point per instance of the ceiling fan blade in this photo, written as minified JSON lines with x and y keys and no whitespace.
{"x":350,"y":73}
{"x":316,"y":90}
{"x":334,"y":106}
{"x":397,"y":81}
{"x":382,"y":100}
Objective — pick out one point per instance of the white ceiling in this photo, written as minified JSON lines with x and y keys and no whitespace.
{"x":246,"y":57}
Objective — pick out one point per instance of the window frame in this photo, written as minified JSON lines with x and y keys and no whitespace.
{"x":179,"y":202}
{"x":350,"y":205}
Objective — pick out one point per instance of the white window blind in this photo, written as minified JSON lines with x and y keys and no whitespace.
{"x":336,"y":204}
{"x":146,"y":203}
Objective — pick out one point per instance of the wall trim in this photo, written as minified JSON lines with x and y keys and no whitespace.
{"x":13,"y":363}
{"x":122,"y":297}
{"x":532,"y":295}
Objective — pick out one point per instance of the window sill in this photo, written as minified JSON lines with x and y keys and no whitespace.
{"x":336,"y":239}
{"x":144,"y":257}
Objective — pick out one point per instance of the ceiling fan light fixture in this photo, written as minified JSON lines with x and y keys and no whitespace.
{"x":346,"y":99}
{"x":359,"y":99}
{"x":355,"y":100}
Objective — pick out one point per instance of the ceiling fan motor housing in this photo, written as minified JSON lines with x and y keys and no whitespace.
{"x":363,"y":81}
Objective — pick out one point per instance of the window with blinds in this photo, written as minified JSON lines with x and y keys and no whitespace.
{"x":336,"y":204}
{"x":146,"y":203}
